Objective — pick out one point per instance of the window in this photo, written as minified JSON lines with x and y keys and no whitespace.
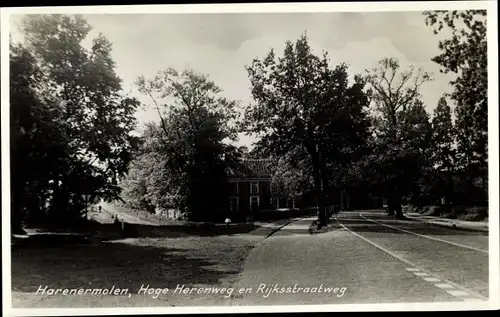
{"x":235,"y":188}
{"x":254,"y":187}
{"x":233,"y":204}
{"x":275,"y":202}
{"x":254,"y":201}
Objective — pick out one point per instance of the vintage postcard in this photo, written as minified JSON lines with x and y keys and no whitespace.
{"x":250,"y":158}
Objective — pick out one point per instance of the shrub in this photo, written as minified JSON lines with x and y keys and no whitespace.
{"x":435,"y":210}
{"x":476,"y":213}
{"x":477,"y":210}
{"x":417,"y":208}
{"x":458,"y":210}
{"x":424,"y":210}
{"x":449,"y":215}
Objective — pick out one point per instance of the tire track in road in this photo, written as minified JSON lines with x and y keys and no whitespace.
{"x":444,"y":284}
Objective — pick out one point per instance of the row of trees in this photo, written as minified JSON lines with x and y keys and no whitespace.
{"x":375,"y":134}
{"x":71,"y":126}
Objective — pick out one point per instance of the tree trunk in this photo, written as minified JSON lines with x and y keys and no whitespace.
{"x":16,"y":222}
{"x":320,"y":200}
{"x":390,"y":205}
{"x":348,"y":201}
{"x":322,"y":219}
{"x":397,"y":203}
{"x":450,"y":192}
{"x":342,"y":207}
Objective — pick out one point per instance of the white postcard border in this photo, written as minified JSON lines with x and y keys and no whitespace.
{"x":491,"y":6}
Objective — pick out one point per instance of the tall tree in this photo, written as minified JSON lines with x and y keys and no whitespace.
{"x":38,"y":146}
{"x":398,"y":117}
{"x":195,"y":122}
{"x":93,"y":115}
{"x":465,"y":53}
{"x":443,"y":136}
{"x":443,"y":154}
{"x":302,"y":104}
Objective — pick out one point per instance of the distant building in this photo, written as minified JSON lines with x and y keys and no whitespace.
{"x":250,"y":186}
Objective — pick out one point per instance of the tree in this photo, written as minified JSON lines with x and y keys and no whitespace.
{"x":418,"y":173}
{"x":190,"y":142}
{"x":465,"y":54}
{"x":292,"y":174}
{"x":399,"y":119}
{"x":302,"y":104}
{"x":38,"y":151}
{"x":443,"y":153}
{"x":137,"y":185}
{"x":85,"y":99}
{"x":443,"y":136}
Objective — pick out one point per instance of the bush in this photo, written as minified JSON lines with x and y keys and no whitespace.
{"x":458,"y":210}
{"x":477,"y":210}
{"x":431,"y":210}
{"x":408,"y":209}
{"x":476,"y":213}
{"x":449,"y":215}
{"x":416,"y":209}
{"x":435,"y":210}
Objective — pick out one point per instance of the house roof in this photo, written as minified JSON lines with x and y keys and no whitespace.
{"x":253,"y":168}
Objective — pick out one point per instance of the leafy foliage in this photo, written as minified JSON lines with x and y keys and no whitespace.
{"x":465,"y":53}
{"x":443,"y":138}
{"x":75,"y":97}
{"x":401,"y":128}
{"x":292,"y":174}
{"x":302,"y":104}
{"x":184,"y":159}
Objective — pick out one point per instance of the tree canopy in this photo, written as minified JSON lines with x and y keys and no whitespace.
{"x":75,"y":94}
{"x":401,"y":127}
{"x":465,"y":54}
{"x":187,"y":153}
{"x":327,"y":131}
{"x":301,"y":103}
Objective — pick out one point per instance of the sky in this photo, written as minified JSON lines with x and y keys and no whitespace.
{"x":221,"y":45}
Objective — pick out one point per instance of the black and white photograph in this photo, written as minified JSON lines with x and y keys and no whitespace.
{"x":250,"y":158}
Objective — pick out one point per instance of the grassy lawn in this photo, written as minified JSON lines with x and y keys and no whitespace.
{"x":129,"y":263}
{"x":126,"y":257}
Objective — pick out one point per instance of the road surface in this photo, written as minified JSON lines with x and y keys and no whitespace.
{"x":367,"y":257}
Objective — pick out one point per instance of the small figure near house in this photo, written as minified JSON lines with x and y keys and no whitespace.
{"x":100,"y":209}
{"x":227,"y":221}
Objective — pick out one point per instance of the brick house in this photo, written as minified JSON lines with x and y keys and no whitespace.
{"x":250,"y":188}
